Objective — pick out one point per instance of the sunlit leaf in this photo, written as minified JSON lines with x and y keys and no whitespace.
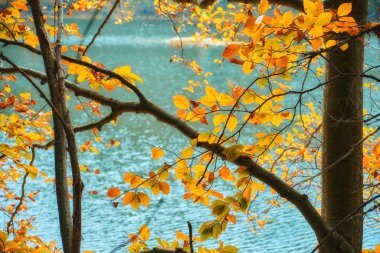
{"x":157,"y":153}
{"x":181,"y":102}
{"x":113,"y":192}
{"x":344,"y":9}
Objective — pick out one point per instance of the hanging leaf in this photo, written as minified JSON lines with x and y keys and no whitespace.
{"x":181,"y":102}
{"x":113,"y":192}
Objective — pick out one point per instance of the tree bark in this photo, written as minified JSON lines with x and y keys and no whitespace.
{"x":58,"y":97}
{"x":342,"y":183}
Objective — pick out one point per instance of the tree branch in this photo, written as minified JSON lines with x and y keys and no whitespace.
{"x":98,"y":125}
{"x":101,"y":27}
{"x":299,"y":200}
{"x":344,"y":220}
{"x":80,"y":62}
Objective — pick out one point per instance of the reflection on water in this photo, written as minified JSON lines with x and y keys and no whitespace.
{"x":145,"y":46}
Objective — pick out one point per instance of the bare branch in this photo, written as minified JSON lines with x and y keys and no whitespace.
{"x":190,"y":237}
{"x":101,"y":26}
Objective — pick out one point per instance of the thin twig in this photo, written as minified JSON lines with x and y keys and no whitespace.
{"x":22,"y":197}
{"x":190,"y":237}
{"x":101,"y":26}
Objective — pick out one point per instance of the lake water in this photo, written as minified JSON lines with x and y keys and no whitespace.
{"x":144,"y":45}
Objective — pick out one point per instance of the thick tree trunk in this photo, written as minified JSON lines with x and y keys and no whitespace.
{"x":342,"y":182}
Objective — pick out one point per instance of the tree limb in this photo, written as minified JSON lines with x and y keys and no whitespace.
{"x":83,"y":63}
{"x":299,"y":200}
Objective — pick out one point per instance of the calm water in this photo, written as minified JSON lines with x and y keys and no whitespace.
{"x":145,"y":46}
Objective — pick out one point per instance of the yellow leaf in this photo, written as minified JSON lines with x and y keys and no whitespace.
{"x":203,"y":137}
{"x":220,"y":118}
{"x":33,"y":136}
{"x":7,"y":88}
{"x":248,"y":98}
{"x":225,"y":99}
{"x":94,"y":150}
{"x":330,"y":43}
{"x":134,"y":77}
{"x":344,"y":47}
{"x":263,"y":6}
{"x":113,"y":192}
{"x":144,"y":233}
{"x":324,"y":19}
{"x":262,"y":82}
{"x":310,"y":8}
{"x":144,"y":199}
{"x":84,"y":168}
{"x":241,"y":17}
{"x":187,"y":153}
{"x":181,"y":102}
{"x":157,"y":153}
{"x":230,"y":249}
{"x":248,"y":67}
{"x":316,"y":31}
{"x":124,"y":70}
{"x":25,"y":96}
{"x":181,"y":236}
{"x":258,"y":187}
{"x":3,"y":236}
{"x":344,"y":9}
{"x":135,"y":203}
{"x":287,"y":19}
{"x":211,"y":92}
{"x":232,"y":123}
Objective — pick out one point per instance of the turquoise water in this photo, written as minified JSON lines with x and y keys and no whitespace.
{"x":144,"y":45}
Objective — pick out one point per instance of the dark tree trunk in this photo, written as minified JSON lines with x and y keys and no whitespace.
{"x":342,"y":182}
{"x":63,"y":133}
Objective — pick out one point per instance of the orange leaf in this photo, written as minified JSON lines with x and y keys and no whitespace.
{"x":144,"y":199}
{"x":224,"y":172}
{"x":263,"y":6}
{"x":144,"y":233}
{"x":344,"y":9}
{"x":128,"y":197}
{"x":231,"y":50}
{"x":231,"y":218}
{"x":157,"y":153}
{"x":236,"y":61}
{"x":164,"y":187}
{"x":19,"y":6}
{"x":113,"y":192}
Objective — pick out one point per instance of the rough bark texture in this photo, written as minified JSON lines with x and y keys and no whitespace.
{"x":342,"y":184}
{"x":60,"y":154}
{"x":70,"y":137}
